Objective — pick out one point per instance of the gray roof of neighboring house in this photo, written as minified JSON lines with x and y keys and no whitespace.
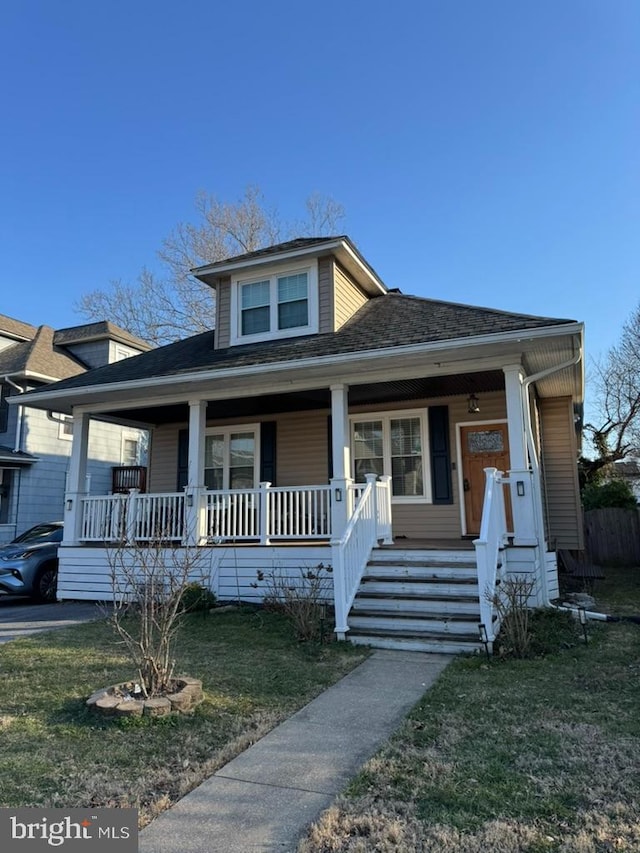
{"x":16,"y":457}
{"x":16,"y":328}
{"x":97,"y":331}
{"x":390,"y":320}
{"x":39,"y":356}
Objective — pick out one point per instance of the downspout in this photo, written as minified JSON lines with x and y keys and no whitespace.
{"x":20,"y":413}
{"x":533,"y":456}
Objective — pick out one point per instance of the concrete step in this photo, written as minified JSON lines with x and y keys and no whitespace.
{"x":366,"y":604}
{"x":446,"y":646}
{"x":426,"y":624}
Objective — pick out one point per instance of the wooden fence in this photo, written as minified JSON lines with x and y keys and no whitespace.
{"x":613,"y":536}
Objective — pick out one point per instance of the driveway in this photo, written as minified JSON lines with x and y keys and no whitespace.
{"x":20,"y":616}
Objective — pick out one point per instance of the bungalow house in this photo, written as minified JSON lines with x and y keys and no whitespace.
{"x":423,"y":449}
{"x":35,"y":446}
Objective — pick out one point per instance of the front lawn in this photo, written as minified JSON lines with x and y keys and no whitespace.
{"x":517,"y":756}
{"x":54,"y":752}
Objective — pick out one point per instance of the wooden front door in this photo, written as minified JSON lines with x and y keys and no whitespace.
{"x":483,"y":446}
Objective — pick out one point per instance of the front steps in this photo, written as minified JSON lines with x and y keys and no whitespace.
{"x":418,"y":600}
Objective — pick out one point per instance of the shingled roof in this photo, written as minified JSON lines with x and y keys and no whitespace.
{"x":39,"y":357}
{"x":277,"y":249}
{"x":96,"y":332}
{"x":390,"y":320}
{"x":16,"y":328}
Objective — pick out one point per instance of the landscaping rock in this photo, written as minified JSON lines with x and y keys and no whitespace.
{"x":157,"y":707}
{"x":580,"y":599}
{"x":132,"y":708}
{"x":124,"y":700}
{"x":192,"y":686}
{"x":107,"y":704}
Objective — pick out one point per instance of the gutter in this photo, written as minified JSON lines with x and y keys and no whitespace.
{"x":533,"y":456}
{"x":20,"y":416}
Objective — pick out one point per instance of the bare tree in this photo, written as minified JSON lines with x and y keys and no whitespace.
{"x":616,"y":382}
{"x":164,"y":308}
{"x":148,"y":582}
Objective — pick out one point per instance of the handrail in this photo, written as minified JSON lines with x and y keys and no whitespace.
{"x":351,"y":552}
{"x":489,"y":550}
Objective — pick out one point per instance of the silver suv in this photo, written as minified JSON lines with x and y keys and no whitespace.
{"x":29,"y":564}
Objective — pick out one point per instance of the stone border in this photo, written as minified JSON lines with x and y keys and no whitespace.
{"x":121,"y":701}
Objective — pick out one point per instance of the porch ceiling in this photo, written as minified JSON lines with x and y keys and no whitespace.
{"x":371,"y":393}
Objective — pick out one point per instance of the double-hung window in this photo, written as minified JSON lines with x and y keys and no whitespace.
{"x":275,"y":305}
{"x":231,"y":460}
{"x":393,"y":443}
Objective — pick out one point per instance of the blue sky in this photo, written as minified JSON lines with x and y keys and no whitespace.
{"x":485,"y":152}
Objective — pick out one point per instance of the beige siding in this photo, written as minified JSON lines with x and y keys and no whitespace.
{"x":302,"y":449}
{"x":163,"y":458}
{"x":325,"y":294}
{"x":223,"y":314}
{"x":562,"y":492}
{"x":302,"y":458}
{"x":348,"y":297}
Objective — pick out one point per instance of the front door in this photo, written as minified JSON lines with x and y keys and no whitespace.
{"x":483,"y":446}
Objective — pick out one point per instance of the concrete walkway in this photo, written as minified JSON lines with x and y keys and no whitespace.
{"x":265,"y":798}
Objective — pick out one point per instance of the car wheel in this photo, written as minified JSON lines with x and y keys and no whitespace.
{"x":46,"y":584}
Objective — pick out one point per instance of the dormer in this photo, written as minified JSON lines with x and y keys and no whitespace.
{"x":305,"y":286}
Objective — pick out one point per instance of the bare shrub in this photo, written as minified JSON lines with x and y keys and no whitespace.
{"x":302,"y":598}
{"x":511,"y":602}
{"x":148,"y":584}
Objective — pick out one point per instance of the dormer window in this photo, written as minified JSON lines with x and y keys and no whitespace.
{"x":280,"y":304}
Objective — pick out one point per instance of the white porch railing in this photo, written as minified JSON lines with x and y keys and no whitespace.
{"x":300,"y":513}
{"x":351,"y":552}
{"x":264,"y":514}
{"x":490,"y":552}
{"x":132,"y":517}
{"x":232,"y":514}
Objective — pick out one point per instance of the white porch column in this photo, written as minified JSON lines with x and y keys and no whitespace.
{"x":341,"y":454}
{"x":77,"y":479}
{"x":521,"y":490}
{"x":194,"y":514}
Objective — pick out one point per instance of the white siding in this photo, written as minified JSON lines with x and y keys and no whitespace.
{"x":85,"y":573}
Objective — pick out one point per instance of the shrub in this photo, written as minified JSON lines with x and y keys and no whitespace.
{"x":614,"y":493}
{"x":302,"y":599}
{"x":196,"y":597}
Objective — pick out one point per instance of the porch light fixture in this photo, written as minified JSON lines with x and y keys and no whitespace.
{"x":338,"y":494}
{"x":190,"y":499}
{"x":473,"y":404}
{"x":69,"y":503}
{"x":520,"y":488}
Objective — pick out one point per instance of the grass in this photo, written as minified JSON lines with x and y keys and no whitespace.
{"x":54,"y":752}
{"x":533,"y":756}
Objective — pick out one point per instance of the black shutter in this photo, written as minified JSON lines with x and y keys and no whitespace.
{"x":183,"y":459}
{"x":330,"y":448}
{"x":268,"y":452}
{"x":440,"y":455}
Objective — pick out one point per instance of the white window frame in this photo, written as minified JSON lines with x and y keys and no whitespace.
{"x":62,"y":421}
{"x":386,"y":417}
{"x":272,"y":275}
{"x":130,"y":436}
{"x":227,"y":431}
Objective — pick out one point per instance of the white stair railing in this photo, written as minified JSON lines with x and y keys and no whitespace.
{"x":350,"y":554}
{"x":489,"y":552}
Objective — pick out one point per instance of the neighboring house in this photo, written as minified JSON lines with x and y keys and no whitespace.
{"x":35,"y":445}
{"x":328,"y":414}
{"x":628,"y":470}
